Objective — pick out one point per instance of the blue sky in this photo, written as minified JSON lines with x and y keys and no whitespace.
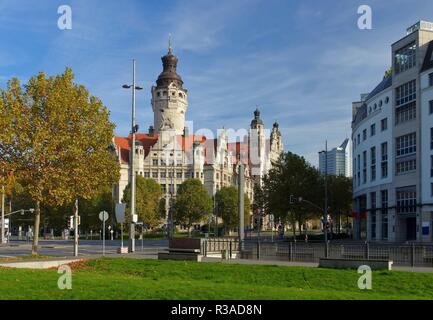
{"x":303,"y":62}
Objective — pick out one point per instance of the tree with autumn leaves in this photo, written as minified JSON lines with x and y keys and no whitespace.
{"x":55,"y":137}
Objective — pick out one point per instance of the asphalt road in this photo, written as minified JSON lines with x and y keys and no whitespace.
{"x":89,"y":248}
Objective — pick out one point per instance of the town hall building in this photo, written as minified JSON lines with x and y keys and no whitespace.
{"x":170,"y":154}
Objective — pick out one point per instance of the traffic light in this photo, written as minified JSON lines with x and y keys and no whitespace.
{"x":71,"y":222}
{"x":292,"y":199}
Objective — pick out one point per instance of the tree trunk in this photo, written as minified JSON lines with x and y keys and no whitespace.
{"x":36,"y":228}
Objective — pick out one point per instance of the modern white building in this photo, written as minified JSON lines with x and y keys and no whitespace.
{"x":392,"y":132}
{"x":169,"y":154}
{"x":338,"y":161}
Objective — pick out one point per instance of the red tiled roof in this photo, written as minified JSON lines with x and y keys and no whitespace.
{"x":149,"y":140}
{"x":239,"y":148}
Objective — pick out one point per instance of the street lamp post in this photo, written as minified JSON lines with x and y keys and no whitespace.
{"x":325,"y":211}
{"x":134,"y":129}
{"x":171,"y":192}
{"x":76,"y":229}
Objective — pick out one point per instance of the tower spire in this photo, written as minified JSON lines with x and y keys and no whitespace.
{"x":170,"y":49}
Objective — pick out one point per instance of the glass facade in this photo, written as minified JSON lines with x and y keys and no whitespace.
{"x":405,"y":58}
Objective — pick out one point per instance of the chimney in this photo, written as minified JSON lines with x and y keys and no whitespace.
{"x":185,"y":131}
{"x":151,"y":131}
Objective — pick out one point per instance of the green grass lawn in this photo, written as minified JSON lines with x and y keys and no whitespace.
{"x":152,"y":279}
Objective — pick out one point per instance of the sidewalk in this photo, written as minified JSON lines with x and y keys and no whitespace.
{"x":303,"y":264}
{"x":262,"y":262}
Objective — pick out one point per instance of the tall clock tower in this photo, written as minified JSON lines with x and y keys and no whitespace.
{"x":169,"y":98}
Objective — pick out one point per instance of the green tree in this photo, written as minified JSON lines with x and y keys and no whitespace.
{"x":228,"y":207}
{"x":148,"y":195}
{"x":292,"y":175}
{"x":227,"y":203}
{"x":259,"y":198}
{"x":339,"y":198}
{"x":247,"y":211}
{"x":192,"y":203}
{"x":58,"y":144}
{"x":90,"y":208}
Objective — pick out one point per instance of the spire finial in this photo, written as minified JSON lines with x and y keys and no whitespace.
{"x":170,"y":50}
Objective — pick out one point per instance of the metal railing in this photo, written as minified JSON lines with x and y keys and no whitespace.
{"x":414,"y":254}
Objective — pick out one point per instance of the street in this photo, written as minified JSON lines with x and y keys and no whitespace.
{"x":87,"y":248}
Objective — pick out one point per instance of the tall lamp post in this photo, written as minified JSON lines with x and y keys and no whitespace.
{"x":134,"y":129}
{"x":325,"y":211}
{"x":171,"y":192}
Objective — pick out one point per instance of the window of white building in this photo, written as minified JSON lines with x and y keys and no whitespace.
{"x":384,"y":124}
{"x":406,"y":200}
{"x":384,"y":160}
{"x":373,"y":163}
{"x":384,"y":211}
{"x":405,"y":93}
{"x":406,"y":144}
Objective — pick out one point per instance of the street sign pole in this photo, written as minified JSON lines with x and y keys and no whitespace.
{"x":121,"y":235}
{"x":103,"y":216}
{"x":103,"y":237}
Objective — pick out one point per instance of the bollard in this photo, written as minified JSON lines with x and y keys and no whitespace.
{"x":412,"y":256}
{"x":258,"y":250}
{"x":367,"y":250}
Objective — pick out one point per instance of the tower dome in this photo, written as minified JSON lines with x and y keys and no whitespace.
{"x":169,"y":73}
{"x":256,"y":120}
{"x":169,"y":98}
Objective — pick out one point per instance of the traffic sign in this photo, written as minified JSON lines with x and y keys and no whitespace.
{"x":120,"y":212}
{"x":71,"y":221}
{"x":103,"y":216}
{"x":6,"y":223}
